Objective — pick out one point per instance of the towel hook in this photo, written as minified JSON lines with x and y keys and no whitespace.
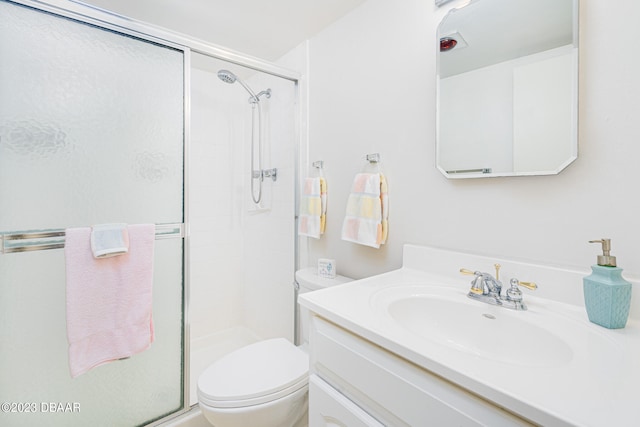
{"x":318,"y":166}
{"x":373,"y":158}
{"x":373,"y":163}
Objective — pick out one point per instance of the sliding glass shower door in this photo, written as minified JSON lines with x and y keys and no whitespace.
{"x":91,"y":132}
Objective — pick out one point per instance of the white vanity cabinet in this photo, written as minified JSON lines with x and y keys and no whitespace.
{"x":357,"y":383}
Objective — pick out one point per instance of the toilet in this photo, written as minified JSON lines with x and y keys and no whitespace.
{"x":264,"y":384}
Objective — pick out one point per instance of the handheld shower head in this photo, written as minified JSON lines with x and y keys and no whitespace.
{"x":228,"y":77}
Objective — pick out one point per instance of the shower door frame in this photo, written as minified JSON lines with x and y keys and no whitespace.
{"x":76,"y":10}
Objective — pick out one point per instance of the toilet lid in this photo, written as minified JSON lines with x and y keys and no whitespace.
{"x":257,"y":373}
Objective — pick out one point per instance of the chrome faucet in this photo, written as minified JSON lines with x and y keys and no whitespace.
{"x":488,"y":289}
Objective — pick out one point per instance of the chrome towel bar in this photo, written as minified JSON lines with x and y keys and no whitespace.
{"x":39,"y":240}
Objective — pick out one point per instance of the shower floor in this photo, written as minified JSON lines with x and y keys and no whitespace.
{"x":208,"y":349}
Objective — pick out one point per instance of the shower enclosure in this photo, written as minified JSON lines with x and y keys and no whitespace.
{"x":102,"y":120}
{"x":242,"y":254}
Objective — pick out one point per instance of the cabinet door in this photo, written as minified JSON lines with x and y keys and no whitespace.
{"x":394,"y":391}
{"x":329,"y":408}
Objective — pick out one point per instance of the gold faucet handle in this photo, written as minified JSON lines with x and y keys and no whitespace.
{"x":467,"y":271}
{"x":529,"y":285}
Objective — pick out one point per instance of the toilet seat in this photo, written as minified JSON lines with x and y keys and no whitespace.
{"x":255,"y":374}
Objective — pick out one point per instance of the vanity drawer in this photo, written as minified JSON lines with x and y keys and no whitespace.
{"x":331,"y":408}
{"x":393,"y":390}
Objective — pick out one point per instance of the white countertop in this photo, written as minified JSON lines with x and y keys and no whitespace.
{"x":596,"y":386}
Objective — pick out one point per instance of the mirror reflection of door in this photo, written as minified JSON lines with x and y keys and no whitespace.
{"x":507,"y":88}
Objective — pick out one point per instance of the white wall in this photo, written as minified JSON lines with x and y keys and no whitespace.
{"x":372,"y":89}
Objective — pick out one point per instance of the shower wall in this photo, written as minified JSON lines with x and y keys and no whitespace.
{"x":269,"y":234}
{"x":242,"y":255}
{"x":216,"y":205}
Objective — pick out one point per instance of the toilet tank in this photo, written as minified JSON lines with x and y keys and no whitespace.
{"x":309,"y":281}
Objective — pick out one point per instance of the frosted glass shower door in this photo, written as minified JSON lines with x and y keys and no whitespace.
{"x":91,"y":132}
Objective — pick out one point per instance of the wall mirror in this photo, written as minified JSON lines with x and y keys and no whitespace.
{"x":507,"y":83}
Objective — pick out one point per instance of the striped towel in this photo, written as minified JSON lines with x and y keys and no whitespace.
{"x":313,"y":208}
{"x":366,"y":220}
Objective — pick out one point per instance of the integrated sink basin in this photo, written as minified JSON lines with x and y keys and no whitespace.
{"x":448,"y":318}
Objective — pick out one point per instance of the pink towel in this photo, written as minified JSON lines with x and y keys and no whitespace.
{"x":108,"y":300}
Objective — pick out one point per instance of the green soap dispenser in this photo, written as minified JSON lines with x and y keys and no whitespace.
{"x":607,"y":295}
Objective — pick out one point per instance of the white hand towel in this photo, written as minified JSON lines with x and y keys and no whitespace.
{"x":109,"y":240}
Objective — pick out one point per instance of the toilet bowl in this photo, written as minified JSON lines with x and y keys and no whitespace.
{"x":264,"y":384}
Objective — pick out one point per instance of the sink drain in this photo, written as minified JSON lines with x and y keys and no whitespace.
{"x":489,"y":316}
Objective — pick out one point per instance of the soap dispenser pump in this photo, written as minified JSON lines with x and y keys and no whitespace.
{"x":607,"y":295}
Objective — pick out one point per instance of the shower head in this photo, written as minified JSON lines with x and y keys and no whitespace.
{"x":228,"y":77}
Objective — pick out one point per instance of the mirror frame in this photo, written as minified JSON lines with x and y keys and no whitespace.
{"x":483,"y":172}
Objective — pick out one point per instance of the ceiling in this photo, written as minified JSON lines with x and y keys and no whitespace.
{"x":260,"y":28}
